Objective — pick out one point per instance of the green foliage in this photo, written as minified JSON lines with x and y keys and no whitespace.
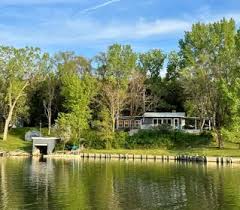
{"x":114,"y":69}
{"x":211,"y":66}
{"x":104,"y":128}
{"x":95,"y":140}
{"x":166,"y":138}
{"x":120,"y":140}
{"x":152,"y":62}
{"x":78,"y":88}
{"x":63,"y":127}
{"x":18,"y":69}
{"x":231,"y":130}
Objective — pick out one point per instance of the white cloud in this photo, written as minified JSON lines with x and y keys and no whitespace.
{"x":60,"y":28}
{"x":82,"y":31}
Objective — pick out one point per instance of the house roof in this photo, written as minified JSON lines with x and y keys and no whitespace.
{"x":130,"y":117}
{"x":163,"y":114}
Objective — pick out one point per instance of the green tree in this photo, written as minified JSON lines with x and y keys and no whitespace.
{"x":172,"y":90}
{"x":209,"y":57}
{"x":114,"y":68}
{"x":104,"y":127}
{"x":151,"y":64}
{"x":231,"y":131}
{"x":136,"y":98}
{"x":49,"y":93}
{"x":78,"y":89}
{"x":20,"y":68}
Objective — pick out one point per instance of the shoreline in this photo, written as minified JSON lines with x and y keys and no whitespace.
{"x":132,"y":157}
{"x":220,"y":160}
{"x":155,"y":158}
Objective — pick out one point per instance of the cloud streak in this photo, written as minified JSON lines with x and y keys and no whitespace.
{"x":99,"y":6}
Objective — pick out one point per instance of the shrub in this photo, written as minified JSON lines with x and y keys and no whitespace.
{"x":165,"y":138}
{"x":120,"y":139}
{"x":92,"y":139}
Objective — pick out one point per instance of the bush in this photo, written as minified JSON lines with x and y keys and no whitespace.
{"x":165,"y":138}
{"x":120,"y":139}
{"x":96,"y":140}
{"x":92,"y":139}
{"x":160,"y":137}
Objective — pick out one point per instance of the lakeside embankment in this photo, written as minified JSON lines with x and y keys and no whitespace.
{"x":155,"y":158}
{"x":16,"y":146}
{"x":132,"y":155}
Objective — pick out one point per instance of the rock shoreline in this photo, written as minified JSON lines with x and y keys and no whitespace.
{"x":14,"y":153}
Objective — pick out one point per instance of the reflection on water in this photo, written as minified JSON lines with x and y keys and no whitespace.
{"x":94,"y":184}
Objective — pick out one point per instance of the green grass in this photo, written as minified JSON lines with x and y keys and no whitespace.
{"x":230,"y":150}
{"x":16,"y":141}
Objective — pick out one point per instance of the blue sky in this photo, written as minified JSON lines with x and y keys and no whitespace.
{"x":89,"y":26}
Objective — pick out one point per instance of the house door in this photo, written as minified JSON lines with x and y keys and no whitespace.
{"x":176,"y":123}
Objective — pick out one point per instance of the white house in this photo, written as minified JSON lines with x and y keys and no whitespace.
{"x":176,"y":120}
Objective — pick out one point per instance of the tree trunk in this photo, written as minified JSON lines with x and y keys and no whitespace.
{"x":219,"y":139}
{"x":113,"y":124}
{"x":49,"y":124}
{"x":202,"y":125}
{"x":6,"y":126}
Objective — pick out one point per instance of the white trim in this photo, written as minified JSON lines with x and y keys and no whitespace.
{"x":164,"y":114}
{"x":40,"y":144}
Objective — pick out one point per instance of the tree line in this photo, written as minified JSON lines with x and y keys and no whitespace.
{"x":82,"y":96}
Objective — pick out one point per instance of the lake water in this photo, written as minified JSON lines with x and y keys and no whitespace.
{"x":116,"y":184}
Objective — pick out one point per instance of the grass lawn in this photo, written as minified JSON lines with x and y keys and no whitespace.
{"x":229,"y":150}
{"x":16,"y":141}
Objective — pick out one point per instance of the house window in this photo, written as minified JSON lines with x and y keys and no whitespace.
{"x":131,"y":123}
{"x":169,"y":121}
{"x":137,"y":123}
{"x":120,"y":123}
{"x":159,"y":121}
{"x":164,"y":121}
{"x":126,"y":123}
{"x":176,"y":123}
{"x":155,"y":122}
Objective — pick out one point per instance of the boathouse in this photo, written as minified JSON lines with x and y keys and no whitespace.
{"x":45,"y":145}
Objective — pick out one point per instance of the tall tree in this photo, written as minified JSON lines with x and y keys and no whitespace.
{"x":78,"y":89}
{"x":19,"y":69}
{"x":173,"y":93}
{"x":114,"y":68}
{"x":151,"y":64}
{"x":49,"y":97}
{"x":136,"y":98}
{"x":209,"y":55}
